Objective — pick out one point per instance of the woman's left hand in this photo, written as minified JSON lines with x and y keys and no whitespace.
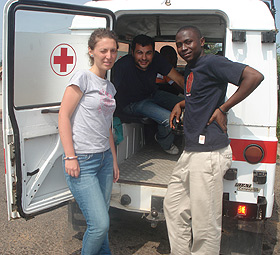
{"x":116,"y":172}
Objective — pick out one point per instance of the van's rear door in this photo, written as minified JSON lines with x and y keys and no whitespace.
{"x":40,"y":53}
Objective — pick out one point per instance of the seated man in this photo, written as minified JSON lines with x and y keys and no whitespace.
{"x":134,"y":77}
{"x":164,"y":82}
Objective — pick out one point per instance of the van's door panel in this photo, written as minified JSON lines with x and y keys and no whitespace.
{"x":41,"y":53}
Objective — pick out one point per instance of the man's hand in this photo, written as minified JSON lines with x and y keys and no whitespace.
{"x":220,"y":118}
{"x":176,"y":113}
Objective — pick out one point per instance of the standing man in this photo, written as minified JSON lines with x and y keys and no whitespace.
{"x":137,"y":93}
{"x":193,"y":203}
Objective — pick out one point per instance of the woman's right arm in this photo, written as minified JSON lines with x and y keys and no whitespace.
{"x":71,"y":98}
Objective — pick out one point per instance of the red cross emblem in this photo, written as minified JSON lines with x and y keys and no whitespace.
{"x":63,"y":59}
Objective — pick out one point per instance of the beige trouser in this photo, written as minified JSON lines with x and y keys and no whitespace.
{"x":193,"y":202}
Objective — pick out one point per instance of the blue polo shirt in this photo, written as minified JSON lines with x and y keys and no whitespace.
{"x":205,"y":89}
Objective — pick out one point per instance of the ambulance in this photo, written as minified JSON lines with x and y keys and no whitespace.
{"x":44,"y":43}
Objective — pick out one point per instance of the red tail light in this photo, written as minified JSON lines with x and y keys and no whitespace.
{"x":253,"y":153}
{"x":242,"y":210}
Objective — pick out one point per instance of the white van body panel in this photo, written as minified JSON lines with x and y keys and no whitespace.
{"x":241,"y":15}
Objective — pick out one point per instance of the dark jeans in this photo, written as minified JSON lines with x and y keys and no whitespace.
{"x":158,"y":108}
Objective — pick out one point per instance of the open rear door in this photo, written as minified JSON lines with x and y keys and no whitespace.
{"x":40,"y":53}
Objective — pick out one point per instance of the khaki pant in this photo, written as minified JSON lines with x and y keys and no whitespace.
{"x":193,"y":202}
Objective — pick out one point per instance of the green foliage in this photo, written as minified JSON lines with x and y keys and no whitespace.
{"x":278,"y":129}
{"x":278,"y":61}
{"x":212,"y":48}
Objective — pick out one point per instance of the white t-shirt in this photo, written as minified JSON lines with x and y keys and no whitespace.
{"x":93,"y":115}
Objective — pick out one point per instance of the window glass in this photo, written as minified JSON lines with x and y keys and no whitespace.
{"x":49,"y":48}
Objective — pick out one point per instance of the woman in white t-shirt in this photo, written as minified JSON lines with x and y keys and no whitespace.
{"x":89,"y":159}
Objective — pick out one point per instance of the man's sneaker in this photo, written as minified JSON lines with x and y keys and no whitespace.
{"x":173,"y":150}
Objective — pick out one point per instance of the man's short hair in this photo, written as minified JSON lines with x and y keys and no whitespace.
{"x":193,"y":28}
{"x":143,"y":40}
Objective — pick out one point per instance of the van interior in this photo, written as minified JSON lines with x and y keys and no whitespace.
{"x":141,"y":159}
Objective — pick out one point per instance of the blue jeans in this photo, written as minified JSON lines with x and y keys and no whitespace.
{"x":158,"y":108}
{"x":92,"y":191}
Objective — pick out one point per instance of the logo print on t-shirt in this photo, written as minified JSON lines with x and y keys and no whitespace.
{"x":107,"y":103}
{"x":189,"y":83}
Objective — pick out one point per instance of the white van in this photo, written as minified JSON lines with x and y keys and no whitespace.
{"x":44,"y":43}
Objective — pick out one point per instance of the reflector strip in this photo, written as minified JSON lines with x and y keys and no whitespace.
{"x":269,"y":147}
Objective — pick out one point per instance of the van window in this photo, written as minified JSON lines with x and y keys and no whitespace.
{"x":123,"y":49}
{"x":210,"y":48}
{"x":52,"y":53}
{"x":181,"y":62}
{"x":163,"y":28}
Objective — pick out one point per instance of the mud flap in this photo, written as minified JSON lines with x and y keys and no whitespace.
{"x":242,"y":237}
{"x":75,"y":217}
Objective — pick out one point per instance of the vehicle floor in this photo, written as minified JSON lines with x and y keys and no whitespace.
{"x":150,"y":166}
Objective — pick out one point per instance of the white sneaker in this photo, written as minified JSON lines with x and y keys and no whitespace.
{"x":173,"y":150}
